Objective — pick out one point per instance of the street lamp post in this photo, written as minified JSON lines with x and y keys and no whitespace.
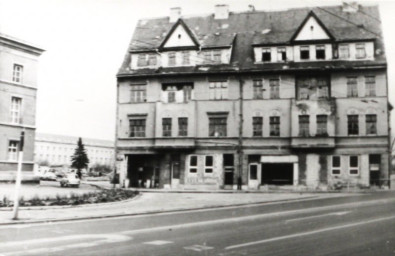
{"x":18,"y":176}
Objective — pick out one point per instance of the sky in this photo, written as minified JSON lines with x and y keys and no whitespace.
{"x":86,"y":40}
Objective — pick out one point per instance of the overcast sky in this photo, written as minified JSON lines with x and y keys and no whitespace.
{"x":85,"y":41}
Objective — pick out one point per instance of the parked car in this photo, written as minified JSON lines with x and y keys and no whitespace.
{"x":48,"y":175}
{"x":69,"y":180}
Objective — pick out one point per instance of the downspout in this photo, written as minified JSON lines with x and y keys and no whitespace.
{"x":116,"y":136}
{"x":240,"y":141}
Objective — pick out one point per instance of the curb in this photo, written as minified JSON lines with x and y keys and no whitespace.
{"x":150,"y":212}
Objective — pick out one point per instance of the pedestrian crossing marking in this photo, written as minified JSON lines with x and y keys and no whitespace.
{"x":159,"y":242}
{"x":198,"y":248}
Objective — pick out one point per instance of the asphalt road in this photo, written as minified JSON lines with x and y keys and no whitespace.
{"x":352,"y":225}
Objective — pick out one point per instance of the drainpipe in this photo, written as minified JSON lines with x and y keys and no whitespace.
{"x":116,"y":138}
{"x":240,"y":141}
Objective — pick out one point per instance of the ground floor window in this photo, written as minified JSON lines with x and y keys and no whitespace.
{"x":354,"y":165}
{"x":13,"y":150}
{"x":336,"y":165}
{"x":208,"y":164}
{"x":253,"y":171}
{"x":193,"y":162}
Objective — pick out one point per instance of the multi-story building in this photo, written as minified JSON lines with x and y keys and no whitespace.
{"x":18,"y":90}
{"x":295,"y":97}
{"x":58,"y":149}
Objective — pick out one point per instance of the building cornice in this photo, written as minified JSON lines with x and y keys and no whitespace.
{"x":20,"y":45}
{"x":18,"y":84}
{"x":18,"y":125}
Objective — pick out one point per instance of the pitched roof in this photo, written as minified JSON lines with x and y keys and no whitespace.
{"x":259,"y":27}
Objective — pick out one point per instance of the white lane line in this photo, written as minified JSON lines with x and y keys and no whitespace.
{"x":308,"y":233}
{"x":198,"y":248}
{"x":74,"y":239}
{"x":158,"y":242}
{"x":318,"y":216}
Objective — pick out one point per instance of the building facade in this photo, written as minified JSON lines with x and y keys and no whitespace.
{"x":18,"y":90}
{"x":57,"y":150}
{"x":287,"y":98}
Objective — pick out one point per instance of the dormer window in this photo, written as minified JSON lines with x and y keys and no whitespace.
{"x":152,"y":60}
{"x":320,"y":52}
{"x":360,"y":51}
{"x":344,"y":51}
{"x":281,"y":54}
{"x":217,"y":56}
{"x":141,"y":60}
{"x":172,"y":59}
{"x":266,"y":55}
{"x":304,"y":52}
{"x":212,"y":56}
{"x":185,"y":58}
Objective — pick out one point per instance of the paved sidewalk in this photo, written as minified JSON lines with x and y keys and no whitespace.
{"x":148,"y":203}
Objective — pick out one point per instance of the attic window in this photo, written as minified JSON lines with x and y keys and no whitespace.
{"x":179,"y":36}
{"x":266,"y":55}
{"x":312,"y":28}
{"x":320,"y":52}
{"x":304,"y":52}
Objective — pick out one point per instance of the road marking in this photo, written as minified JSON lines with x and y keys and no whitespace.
{"x":308,"y":233}
{"x":158,"y":242}
{"x":74,"y":239}
{"x":318,"y":216}
{"x":198,"y":248}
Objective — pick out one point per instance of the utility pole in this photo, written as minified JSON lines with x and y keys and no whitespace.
{"x":240,"y":140}
{"x":18,"y":176}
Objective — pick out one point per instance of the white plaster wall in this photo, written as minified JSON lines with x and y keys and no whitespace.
{"x":178,"y":38}
{"x":318,"y":33}
{"x":313,"y":168}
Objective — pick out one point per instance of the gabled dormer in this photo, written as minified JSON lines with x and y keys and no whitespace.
{"x":180,"y":37}
{"x":312,"y":29}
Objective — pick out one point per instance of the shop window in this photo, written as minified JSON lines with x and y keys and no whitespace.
{"x":208,"y":164}
{"x":253,"y":171}
{"x":193,"y":164}
{"x":354,"y":165}
{"x":336,"y":165}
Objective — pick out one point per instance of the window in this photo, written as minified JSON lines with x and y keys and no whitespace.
{"x":171,"y":93}
{"x":322,"y":88}
{"x":257,"y":122}
{"x":137,"y":127}
{"x":281,"y":54}
{"x":218,"y":90}
{"x":17,"y":73}
{"x":187,"y":91}
{"x":274,"y":126}
{"x":360,"y":51}
{"x":336,"y":165}
{"x":138,"y":93}
{"x":322,"y":121}
{"x":320,"y":52}
{"x":193,"y":163}
{"x":371,"y":124}
{"x":16,"y":106}
{"x":274,"y":88}
{"x":217,"y":56}
{"x":152,"y":60}
{"x":207,"y":57}
{"x":352,"y":87}
{"x":208,"y":164}
{"x":253,"y":171}
{"x":185,"y":58}
{"x":370,"y":86}
{"x":13,"y":150}
{"x":217,"y":126}
{"x":182,"y":126}
{"x":344,"y":51}
{"x":304,"y":125}
{"x":354,"y":165}
{"x":352,"y":123}
{"x":166,"y":127}
{"x":312,"y":87}
{"x":257,"y":84}
{"x":266,"y":55}
{"x":304,"y":52}
{"x":172,"y":58}
{"x":141,"y":60}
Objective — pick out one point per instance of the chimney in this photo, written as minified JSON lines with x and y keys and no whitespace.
{"x":175,"y":14}
{"x":251,"y":8}
{"x":350,"y":7}
{"x":221,"y":12}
